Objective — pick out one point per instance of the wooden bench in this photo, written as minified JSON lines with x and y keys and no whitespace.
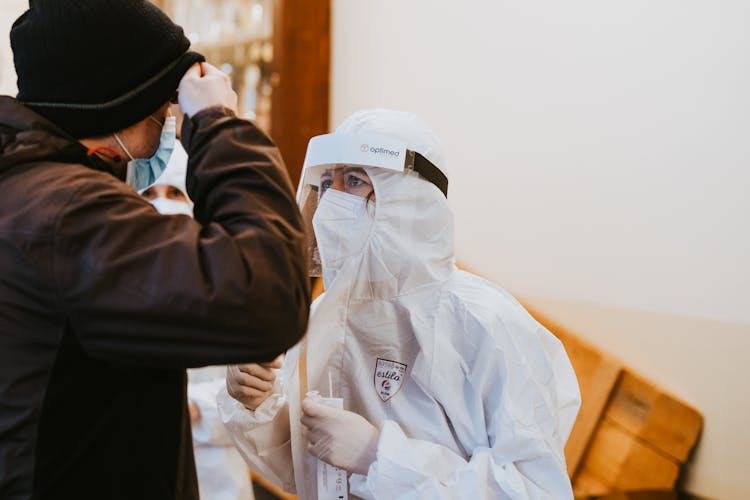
{"x":629,"y":435}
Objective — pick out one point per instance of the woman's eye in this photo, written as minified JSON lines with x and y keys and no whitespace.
{"x":354,"y":181}
{"x":324,"y":185}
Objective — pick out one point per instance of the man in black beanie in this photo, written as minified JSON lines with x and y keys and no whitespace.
{"x":104,"y":302}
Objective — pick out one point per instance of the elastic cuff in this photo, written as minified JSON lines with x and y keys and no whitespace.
{"x":214,"y":111}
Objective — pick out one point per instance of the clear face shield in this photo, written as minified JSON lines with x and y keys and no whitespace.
{"x":336,"y":163}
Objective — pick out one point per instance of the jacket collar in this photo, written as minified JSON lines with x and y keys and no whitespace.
{"x":27,"y":137}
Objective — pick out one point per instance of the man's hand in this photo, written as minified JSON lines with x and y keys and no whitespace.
{"x":341,"y":438}
{"x":251,"y":384}
{"x":205,"y":86}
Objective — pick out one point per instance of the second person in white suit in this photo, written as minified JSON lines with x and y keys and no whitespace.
{"x":222,"y":475}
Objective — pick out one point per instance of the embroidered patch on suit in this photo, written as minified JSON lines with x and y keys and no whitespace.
{"x":389,"y":377}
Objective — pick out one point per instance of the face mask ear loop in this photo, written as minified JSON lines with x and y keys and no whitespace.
{"x":123,"y":146}
{"x":156,"y":120}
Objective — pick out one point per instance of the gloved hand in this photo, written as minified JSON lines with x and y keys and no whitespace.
{"x":341,"y":438}
{"x":251,"y":384}
{"x":205,"y":86}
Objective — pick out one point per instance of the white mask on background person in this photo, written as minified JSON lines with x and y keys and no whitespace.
{"x":173,"y":175}
{"x":176,"y":171}
{"x":342,"y":223}
{"x":167,"y":206}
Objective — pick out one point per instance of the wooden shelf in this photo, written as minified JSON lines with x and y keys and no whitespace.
{"x":231,"y":43}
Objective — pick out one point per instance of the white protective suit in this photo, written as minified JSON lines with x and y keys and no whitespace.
{"x":222,"y":474}
{"x":472,"y":396}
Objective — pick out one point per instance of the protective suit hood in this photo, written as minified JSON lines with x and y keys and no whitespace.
{"x":410,"y":240}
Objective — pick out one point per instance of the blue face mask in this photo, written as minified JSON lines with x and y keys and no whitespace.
{"x":143,"y":172}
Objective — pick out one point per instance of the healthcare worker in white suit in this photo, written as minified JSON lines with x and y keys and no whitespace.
{"x":222,"y":474}
{"x":450,"y":388}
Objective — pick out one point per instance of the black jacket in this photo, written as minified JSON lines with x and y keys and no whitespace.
{"x":104,"y":303}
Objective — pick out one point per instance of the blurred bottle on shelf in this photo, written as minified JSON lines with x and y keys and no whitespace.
{"x":235,"y":35}
{"x":248,"y":104}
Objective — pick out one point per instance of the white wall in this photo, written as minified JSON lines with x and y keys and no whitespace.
{"x":9,"y":12}
{"x":600,"y":154}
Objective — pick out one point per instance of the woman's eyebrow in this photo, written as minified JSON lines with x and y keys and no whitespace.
{"x":354,"y":170}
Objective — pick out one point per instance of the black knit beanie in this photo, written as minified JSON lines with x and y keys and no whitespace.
{"x":94,"y":67}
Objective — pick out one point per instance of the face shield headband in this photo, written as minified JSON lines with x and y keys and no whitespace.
{"x":368,"y":150}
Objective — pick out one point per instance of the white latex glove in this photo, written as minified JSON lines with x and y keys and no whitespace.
{"x":251,"y":384}
{"x":341,"y":438}
{"x":205,"y":86}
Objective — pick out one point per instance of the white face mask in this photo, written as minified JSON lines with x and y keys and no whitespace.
{"x":167,"y":206}
{"x":342,"y":223}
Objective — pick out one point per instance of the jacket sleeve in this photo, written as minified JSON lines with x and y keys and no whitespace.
{"x":263,"y":437}
{"x":228,"y":287}
{"x":521,"y":456}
